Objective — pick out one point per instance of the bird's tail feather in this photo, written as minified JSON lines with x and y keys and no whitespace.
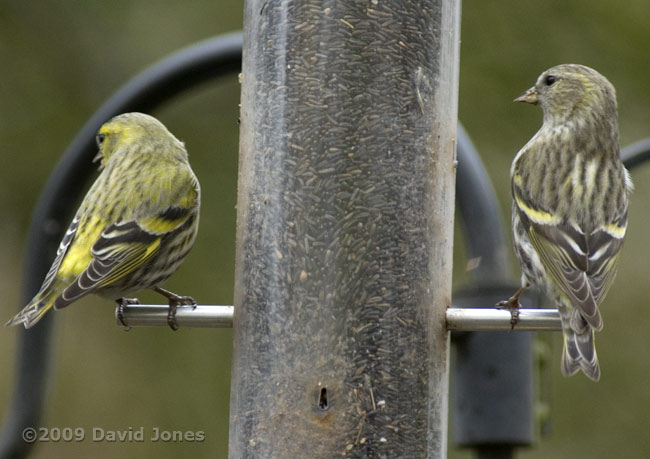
{"x":580,"y":353}
{"x":35,"y":310}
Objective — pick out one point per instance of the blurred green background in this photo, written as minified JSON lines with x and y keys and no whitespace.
{"x":59,"y":60}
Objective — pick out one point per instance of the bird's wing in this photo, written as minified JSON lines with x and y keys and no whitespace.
{"x":582,"y":264}
{"x":121,"y":248}
{"x":605,"y":244}
{"x":125,"y":246}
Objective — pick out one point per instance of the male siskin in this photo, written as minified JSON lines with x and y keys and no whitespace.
{"x":570,"y":197}
{"x":135,"y":226}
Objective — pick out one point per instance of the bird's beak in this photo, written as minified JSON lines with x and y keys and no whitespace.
{"x":529,"y":96}
{"x":99,"y":157}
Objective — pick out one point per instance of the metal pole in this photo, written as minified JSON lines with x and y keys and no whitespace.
{"x":478,"y":206}
{"x":492,"y":398}
{"x":344,"y":230}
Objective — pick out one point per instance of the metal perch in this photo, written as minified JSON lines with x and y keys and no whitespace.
{"x":465,"y":319}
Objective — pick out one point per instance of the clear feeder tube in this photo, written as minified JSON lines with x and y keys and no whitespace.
{"x":344,"y":229}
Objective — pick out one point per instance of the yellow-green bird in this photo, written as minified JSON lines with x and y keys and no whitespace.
{"x":135,"y":226}
{"x":570,"y":198}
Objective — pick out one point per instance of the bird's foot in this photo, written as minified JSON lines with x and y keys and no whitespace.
{"x":174,"y":302}
{"x":513,"y":306}
{"x":121,"y":304}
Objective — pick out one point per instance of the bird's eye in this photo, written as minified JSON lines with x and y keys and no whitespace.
{"x":549,"y":80}
{"x":100,"y":139}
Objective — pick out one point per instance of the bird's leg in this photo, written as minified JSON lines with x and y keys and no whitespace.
{"x":174,"y":302}
{"x":513,"y":306}
{"x":121,"y":303}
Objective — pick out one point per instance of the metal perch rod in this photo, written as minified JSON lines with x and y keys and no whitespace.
{"x":155,"y":315}
{"x":461,"y":319}
{"x":481,"y":319}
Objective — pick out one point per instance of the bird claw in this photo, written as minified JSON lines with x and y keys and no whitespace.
{"x":121,"y":303}
{"x":513,"y":306}
{"x":171,"y":316}
{"x":174,"y":302}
